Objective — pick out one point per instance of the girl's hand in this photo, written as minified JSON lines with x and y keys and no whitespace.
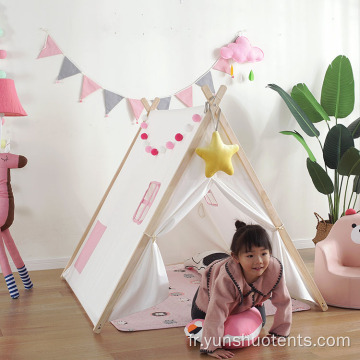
{"x":221,"y":354}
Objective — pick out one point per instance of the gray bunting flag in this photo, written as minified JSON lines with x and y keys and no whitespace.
{"x":111,"y":100}
{"x":164,"y":103}
{"x":207,"y":80}
{"x":67,"y":69}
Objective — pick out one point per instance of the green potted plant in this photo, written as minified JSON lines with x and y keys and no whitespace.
{"x":338,"y":178}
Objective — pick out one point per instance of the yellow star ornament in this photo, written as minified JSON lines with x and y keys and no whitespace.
{"x":217,"y":156}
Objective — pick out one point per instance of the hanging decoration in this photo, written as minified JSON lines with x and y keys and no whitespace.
{"x":251,"y":75}
{"x":217,"y":156}
{"x":239,"y":51}
{"x":170,"y":144}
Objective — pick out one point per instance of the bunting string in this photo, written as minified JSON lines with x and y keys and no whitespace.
{"x":112,"y":99}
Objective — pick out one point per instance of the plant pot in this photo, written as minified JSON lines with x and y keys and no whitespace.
{"x":323,"y":228}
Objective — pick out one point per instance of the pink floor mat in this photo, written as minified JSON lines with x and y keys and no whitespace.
{"x":175,"y":310}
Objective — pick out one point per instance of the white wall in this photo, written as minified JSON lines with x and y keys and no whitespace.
{"x":155,"y":48}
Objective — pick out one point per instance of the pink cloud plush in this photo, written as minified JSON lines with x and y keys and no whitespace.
{"x":241,"y":51}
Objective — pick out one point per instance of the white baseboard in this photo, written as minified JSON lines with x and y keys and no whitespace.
{"x":43,"y":264}
{"x":303,"y":244}
{"x":60,"y":263}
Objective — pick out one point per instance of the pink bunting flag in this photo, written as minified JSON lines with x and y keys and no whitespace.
{"x":223,"y":65}
{"x":137,"y":107}
{"x":49,"y":49}
{"x":88,"y":87}
{"x":186,"y":96}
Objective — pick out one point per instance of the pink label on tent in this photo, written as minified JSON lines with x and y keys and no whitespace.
{"x":146,"y":202}
{"x":210,"y":199}
{"x":91,"y":243}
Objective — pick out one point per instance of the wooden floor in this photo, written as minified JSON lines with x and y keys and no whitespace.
{"x":48,"y":323}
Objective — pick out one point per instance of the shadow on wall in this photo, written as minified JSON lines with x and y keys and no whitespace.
{"x":240,"y":121}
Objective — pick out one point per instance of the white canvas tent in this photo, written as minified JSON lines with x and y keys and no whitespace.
{"x":155,"y":212}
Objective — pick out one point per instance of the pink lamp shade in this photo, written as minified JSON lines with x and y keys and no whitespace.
{"x":9,"y":101}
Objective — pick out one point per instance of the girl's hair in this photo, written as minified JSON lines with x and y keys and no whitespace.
{"x":247,"y":236}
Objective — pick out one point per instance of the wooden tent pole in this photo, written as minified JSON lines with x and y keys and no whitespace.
{"x":309,"y":281}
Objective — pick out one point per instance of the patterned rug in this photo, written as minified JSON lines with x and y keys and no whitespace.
{"x":175,"y":310}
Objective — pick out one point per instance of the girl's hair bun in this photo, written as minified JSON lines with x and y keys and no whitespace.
{"x":239,"y":224}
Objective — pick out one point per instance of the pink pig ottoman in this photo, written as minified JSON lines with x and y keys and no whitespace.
{"x":337,"y":263}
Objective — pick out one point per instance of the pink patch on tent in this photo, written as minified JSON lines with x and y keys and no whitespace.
{"x":88,"y":87}
{"x":170,"y":145}
{"x":137,"y":107}
{"x":186,"y":96}
{"x":148,"y":149}
{"x":179,"y":137}
{"x":144,"y":125}
{"x":49,"y":49}
{"x":222,"y":65}
{"x":146,"y":201}
{"x":90,"y":245}
{"x":210,"y":199}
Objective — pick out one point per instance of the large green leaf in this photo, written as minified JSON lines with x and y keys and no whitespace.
{"x":306,"y":100}
{"x":299,"y":115}
{"x":320,"y":178}
{"x":337,"y":93}
{"x":354,"y":128}
{"x":350,"y":163}
{"x":298,"y":137}
{"x":337,"y":142}
{"x":356,"y":184}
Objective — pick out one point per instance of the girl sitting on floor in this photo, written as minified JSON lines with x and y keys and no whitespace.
{"x":234,"y":284}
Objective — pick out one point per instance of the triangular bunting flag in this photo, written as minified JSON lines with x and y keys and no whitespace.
{"x":67,"y":69}
{"x":186,"y":96}
{"x":164,"y":103}
{"x":49,"y":49}
{"x":137,"y":107}
{"x":222,"y":65}
{"x":111,"y":100}
{"x":207,"y":80}
{"x":88,"y":87}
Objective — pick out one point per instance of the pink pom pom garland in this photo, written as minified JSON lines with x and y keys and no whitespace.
{"x":169,"y":144}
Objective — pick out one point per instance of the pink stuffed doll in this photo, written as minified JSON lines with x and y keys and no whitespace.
{"x":10,"y":161}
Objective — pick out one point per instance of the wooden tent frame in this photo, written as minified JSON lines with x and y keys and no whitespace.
{"x":214,"y":101}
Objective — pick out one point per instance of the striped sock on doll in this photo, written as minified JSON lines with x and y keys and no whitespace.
{"x":24,"y":275}
{"x":13,"y":290}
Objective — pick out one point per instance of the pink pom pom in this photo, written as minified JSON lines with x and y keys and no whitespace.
{"x":178,"y":137}
{"x":144,"y":125}
{"x":144,"y":136}
{"x":3,"y":54}
{"x":169,"y":145}
{"x":154,"y":152}
{"x":350,"y":212}
{"x":196,"y":118}
{"x":148,"y":149}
